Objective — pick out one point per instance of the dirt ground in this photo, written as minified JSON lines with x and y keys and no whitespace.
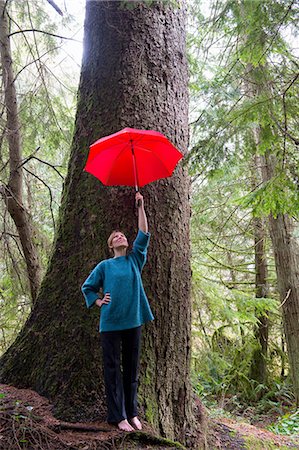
{"x":27,"y":423}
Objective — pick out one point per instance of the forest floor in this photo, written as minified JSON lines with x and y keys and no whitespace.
{"x":27,"y":423}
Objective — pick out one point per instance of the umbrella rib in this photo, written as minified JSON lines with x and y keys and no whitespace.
{"x":140,"y":139}
{"x":149,"y":137}
{"x":155,"y":139}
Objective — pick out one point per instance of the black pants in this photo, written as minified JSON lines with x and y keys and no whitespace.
{"x":121,"y":387}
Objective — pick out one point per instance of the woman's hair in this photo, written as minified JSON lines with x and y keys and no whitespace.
{"x":109,"y":241}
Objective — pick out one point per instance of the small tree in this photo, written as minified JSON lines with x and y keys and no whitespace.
{"x":12,"y":192}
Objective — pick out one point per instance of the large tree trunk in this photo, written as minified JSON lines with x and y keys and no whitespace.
{"x":286,"y":251}
{"x":134,"y":73}
{"x":286,"y":254}
{"x":12,"y":193}
{"x":285,"y":246}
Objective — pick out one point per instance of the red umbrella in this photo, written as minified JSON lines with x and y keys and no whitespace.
{"x":132,"y":157}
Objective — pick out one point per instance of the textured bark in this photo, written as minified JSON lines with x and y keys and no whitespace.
{"x":134,"y":73}
{"x":286,"y":251}
{"x":259,"y":359}
{"x":12,"y":192}
{"x":286,"y":254}
{"x":258,"y":370}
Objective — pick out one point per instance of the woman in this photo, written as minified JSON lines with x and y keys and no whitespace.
{"x":124,"y":308}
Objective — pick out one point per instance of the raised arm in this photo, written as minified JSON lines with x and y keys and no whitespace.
{"x":142,"y":219}
{"x":141,"y":242}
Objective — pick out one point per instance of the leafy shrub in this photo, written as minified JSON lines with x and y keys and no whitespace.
{"x":287,"y":424}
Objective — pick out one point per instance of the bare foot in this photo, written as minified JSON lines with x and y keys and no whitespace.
{"x":136,"y":423}
{"x":125,"y":426}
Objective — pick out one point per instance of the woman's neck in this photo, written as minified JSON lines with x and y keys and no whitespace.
{"x":120,"y":252}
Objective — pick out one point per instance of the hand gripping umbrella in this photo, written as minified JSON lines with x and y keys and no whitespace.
{"x":132,"y":157}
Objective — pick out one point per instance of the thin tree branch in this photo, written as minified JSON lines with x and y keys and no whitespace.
{"x":277,"y":30}
{"x":55,"y":7}
{"x":35,"y":60}
{"x":34,"y":30}
{"x":48,"y":164}
{"x":26,"y":160}
{"x":291,"y":83}
{"x":50,"y":192}
{"x":291,"y":137}
{"x":38,"y":67}
{"x":285,"y":299}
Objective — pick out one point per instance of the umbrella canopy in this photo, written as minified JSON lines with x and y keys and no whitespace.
{"x":132,"y":157}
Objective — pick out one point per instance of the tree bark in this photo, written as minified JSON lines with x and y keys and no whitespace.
{"x":285,"y":246}
{"x":258,"y":369}
{"x":134,"y":73}
{"x":259,"y":360}
{"x":12,"y":193}
{"x":286,"y":251}
{"x":286,"y":255}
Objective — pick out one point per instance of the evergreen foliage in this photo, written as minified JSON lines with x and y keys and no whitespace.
{"x":231,"y":42}
{"x":46,"y":102}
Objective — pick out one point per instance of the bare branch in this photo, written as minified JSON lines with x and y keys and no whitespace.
{"x":44,"y":162}
{"x":50,"y":192}
{"x":290,"y":136}
{"x":34,"y":30}
{"x":35,"y":60}
{"x":55,"y":7}
{"x":291,"y":83}
{"x":6,"y":233}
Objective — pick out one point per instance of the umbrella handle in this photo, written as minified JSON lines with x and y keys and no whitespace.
{"x":138,"y":203}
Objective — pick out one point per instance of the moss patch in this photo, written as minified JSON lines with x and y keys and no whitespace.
{"x":251,"y":442}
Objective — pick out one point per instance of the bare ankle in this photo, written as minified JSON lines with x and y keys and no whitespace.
{"x":135,"y":422}
{"x":125,"y":426}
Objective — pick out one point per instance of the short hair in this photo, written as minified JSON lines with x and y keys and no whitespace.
{"x":109,"y":241}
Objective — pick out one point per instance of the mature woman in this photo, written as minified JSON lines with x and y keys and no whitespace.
{"x":124,"y":308}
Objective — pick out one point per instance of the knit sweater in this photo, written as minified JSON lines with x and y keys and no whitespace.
{"x":121,"y":277}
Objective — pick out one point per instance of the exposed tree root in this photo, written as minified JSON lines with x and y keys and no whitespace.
{"x":78,"y":427}
{"x":21,"y":429}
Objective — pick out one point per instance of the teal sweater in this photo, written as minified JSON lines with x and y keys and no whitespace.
{"x":121,"y":277}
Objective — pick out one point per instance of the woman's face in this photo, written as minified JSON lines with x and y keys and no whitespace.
{"x":119,"y":240}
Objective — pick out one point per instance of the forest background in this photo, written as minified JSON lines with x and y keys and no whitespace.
{"x":243,"y":62}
